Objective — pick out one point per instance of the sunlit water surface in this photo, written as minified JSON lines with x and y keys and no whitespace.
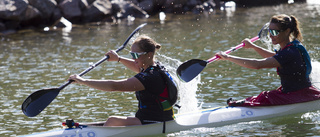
{"x":35,"y":59}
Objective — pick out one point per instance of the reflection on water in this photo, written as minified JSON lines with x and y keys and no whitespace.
{"x":37,"y":59}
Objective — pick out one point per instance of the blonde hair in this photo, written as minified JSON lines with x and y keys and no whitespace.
{"x":146,"y":44}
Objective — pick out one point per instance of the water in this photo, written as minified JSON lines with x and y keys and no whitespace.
{"x":35,"y":59}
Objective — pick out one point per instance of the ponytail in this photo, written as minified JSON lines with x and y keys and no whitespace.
{"x":295,"y":28}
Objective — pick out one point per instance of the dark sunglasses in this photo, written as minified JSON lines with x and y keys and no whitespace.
{"x":136,"y":55}
{"x":274,"y":32}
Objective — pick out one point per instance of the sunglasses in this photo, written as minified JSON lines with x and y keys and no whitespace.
{"x":136,"y":55}
{"x":274,"y":32}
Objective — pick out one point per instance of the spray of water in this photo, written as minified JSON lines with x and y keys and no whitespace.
{"x":315,"y":74}
{"x":187,"y":91}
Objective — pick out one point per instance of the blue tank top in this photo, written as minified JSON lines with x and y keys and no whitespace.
{"x":295,"y":67}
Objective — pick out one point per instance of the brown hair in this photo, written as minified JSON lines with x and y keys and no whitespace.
{"x":284,"y":22}
{"x":146,"y":44}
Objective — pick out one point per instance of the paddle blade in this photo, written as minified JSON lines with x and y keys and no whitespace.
{"x":264,"y":34}
{"x":38,"y":101}
{"x":191,"y":69}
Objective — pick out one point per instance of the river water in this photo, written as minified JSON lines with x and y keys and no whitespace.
{"x":35,"y":59}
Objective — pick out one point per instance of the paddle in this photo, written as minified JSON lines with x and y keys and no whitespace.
{"x":191,"y":68}
{"x":39,"y":100}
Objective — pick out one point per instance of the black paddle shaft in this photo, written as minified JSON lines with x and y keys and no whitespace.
{"x":39,"y":100}
{"x":106,"y":57}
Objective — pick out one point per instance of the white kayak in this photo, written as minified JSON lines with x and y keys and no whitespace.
{"x":213,"y":117}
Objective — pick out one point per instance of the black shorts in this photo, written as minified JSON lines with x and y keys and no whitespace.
{"x":148,"y":116}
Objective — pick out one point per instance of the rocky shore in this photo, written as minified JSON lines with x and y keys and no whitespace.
{"x":22,"y":14}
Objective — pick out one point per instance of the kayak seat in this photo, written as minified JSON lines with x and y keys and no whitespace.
{"x":234,"y":103}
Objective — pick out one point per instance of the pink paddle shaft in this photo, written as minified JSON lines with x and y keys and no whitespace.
{"x":232,"y":49}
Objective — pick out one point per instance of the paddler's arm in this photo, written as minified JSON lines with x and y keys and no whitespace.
{"x":270,"y":62}
{"x":261,"y":51}
{"x":131,"y":84}
{"x":129,"y":63}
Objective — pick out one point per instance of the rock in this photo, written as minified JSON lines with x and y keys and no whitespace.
{"x":20,"y":14}
{"x":71,"y":10}
{"x":2,"y":27}
{"x":11,"y":24}
{"x":251,"y":3}
{"x":100,"y":10}
{"x":84,"y":4}
{"x":90,"y":1}
{"x":63,"y":23}
{"x":151,"y":6}
{"x":46,"y":7}
{"x":31,"y":13}
{"x":13,"y":10}
{"x":32,"y":17}
{"x":56,"y":15}
{"x":122,"y":9}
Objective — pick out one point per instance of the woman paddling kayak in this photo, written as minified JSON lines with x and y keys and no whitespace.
{"x":149,"y":83}
{"x":291,"y":60}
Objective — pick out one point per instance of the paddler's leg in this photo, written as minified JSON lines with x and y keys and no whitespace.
{"x":265,"y":98}
{"x":122,"y":121}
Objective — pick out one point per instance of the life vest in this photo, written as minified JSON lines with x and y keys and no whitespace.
{"x":169,"y":96}
{"x":162,"y":99}
{"x":304,"y":54}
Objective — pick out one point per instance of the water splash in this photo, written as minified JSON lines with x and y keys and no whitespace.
{"x":266,"y":40}
{"x":313,"y":117}
{"x":187,"y":91}
{"x":315,"y":74}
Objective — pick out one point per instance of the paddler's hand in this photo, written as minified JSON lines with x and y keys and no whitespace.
{"x":247,"y":43}
{"x":222,"y":55}
{"x":76,"y":79}
{"x":113,"y":56}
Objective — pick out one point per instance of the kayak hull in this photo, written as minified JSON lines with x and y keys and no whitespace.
{"x":213,"y":117}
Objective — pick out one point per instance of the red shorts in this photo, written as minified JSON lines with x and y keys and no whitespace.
{"x":276,"y":97}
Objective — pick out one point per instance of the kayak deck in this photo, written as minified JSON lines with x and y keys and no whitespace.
{"x":213,"y":117}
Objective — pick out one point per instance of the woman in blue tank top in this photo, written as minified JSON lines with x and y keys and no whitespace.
{"x":292,"y":62}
